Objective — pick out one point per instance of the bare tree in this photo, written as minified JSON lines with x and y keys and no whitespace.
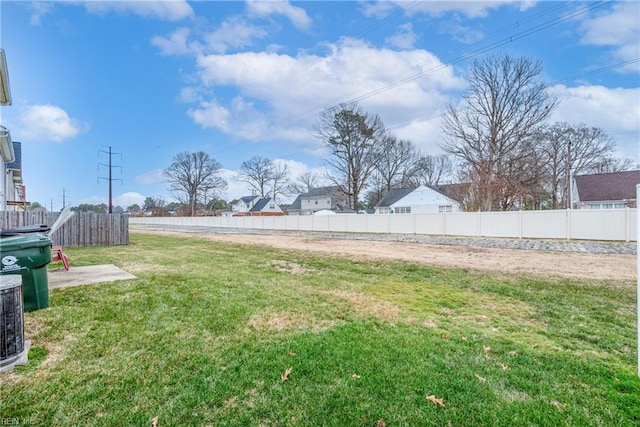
{"x":191,"y":174}
{"x":304,"y":183}
{"x":279,"y":179}
{"x":575,"y":149}
{"x":396,"y":160}
{"x":611,"y":164}
{"x":353,"y":138}
{"x":266,"y":177}
{"x":430,"y":170}
{"x":257,"y":172}
{"x":503,"y":108}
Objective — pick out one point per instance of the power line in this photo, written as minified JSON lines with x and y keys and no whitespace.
{"x":406,"y":75}
{"x":110,"y":179}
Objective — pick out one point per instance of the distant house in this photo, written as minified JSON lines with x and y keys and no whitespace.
{"x":262,"y":207}
{"x":420,"y":199}
{"x":317,"y":199}
{"x":244,"y":204}
{"x":15,"y":193}
{"x":605,"y":190}
{"x":7,"y":156}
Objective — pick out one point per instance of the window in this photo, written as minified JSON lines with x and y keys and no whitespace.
{"x":403,"y":209}
{"x":606,"y":205}
{"x":445,"y":208}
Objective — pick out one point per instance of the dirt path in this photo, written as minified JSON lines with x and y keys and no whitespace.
{"x":564,"y":264}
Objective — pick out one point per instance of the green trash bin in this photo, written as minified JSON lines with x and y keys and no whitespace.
{"x":27,"y":253}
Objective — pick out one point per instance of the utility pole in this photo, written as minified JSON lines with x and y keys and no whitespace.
{"x":110,"y":179}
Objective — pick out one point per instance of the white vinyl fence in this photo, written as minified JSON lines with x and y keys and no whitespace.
{"x":583,"y":224}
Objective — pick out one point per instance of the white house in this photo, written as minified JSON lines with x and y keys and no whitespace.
{"x":244,"y":204}
{"x":420,"y":199}
{"x":265,"y":206}
{"x":605,"y":190}
{"x":7,"y":154}
{"x":318,"y":199}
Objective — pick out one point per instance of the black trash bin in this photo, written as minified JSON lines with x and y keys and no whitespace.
{"x":27,"y":251}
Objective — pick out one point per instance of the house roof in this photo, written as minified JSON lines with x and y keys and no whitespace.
{"x":260,"y":204}
{"x":607,"y":186}
{"x":393,"y":196}
{"x":322,"y":191}
{"x":247,"y":199}
{"x":296,"y":205}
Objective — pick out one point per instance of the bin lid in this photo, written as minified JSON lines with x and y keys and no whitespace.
{"x":10,"y":281}
{"x":40,"y":228}
{"x":24,"y":241}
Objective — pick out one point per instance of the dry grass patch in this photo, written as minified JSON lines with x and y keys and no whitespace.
{"x":278,"y":322}
{"x":366,"y":305}
{"x":289,"y":267}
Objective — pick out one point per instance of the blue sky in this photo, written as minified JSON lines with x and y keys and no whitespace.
{"x":241,"y":79}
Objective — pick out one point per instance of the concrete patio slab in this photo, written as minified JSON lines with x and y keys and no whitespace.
{"x":87,"y":275}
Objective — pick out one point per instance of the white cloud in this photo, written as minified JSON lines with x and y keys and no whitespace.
{"x":618,"y":28}
{"x":404,"y":39}
{"x":615,"y":110}
{"x":291,"y":91}
{"x":296,"y":15}
{"x":471,"y":9}
{"x":177,"y":43}
{"x":235,"y":187}
{"x":38,"y":10}
{"x":127,"y":199}
{"x":233,"y":33}
{"x":151,"y":177}
{"x":173,"y":10}
{"x":47,"y":123}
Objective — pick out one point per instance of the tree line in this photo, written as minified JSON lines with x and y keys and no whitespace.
{"x":499,"y":149}
{"x":498,"y":145}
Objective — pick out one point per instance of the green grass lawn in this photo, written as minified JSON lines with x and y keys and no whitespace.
{"x":205,"y":334}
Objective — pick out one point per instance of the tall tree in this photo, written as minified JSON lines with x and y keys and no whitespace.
{"x":431,"y":170}
{"x":396,"y":160}
{"x":304,"y":183}
{"x":353,"y":138}
{"x":279,"y":179}
{"x":191,"y":175}
{"x":265,"y":176}
{"x":502,"y":110}
{"x":257,"y":172}
{"x":575,"y":149}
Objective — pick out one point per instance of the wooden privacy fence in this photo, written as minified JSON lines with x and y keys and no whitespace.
{"x":83,"y":229}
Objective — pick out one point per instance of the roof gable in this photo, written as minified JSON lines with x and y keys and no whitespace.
{"x":393,"y":196}
{"x":322,"y":191}
{"x":260,"y":204}
{"x":607,"y":186}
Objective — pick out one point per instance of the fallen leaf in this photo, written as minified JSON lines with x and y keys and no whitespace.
{"x":290,"y":353}
{"x":513,"y":353}
{"x":154,"y":422}
{"x":558,"y":405}
{"x":381,"y":423}
{"x":355,"y":376}
{"x":504,"y":367}
{"x":446,"y":336}
{"x":481,"y":379}
{"x":285,"y":375}
{"x":464,"y":338}
{"x":435,"y":400}
{"x":486,"y":348}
